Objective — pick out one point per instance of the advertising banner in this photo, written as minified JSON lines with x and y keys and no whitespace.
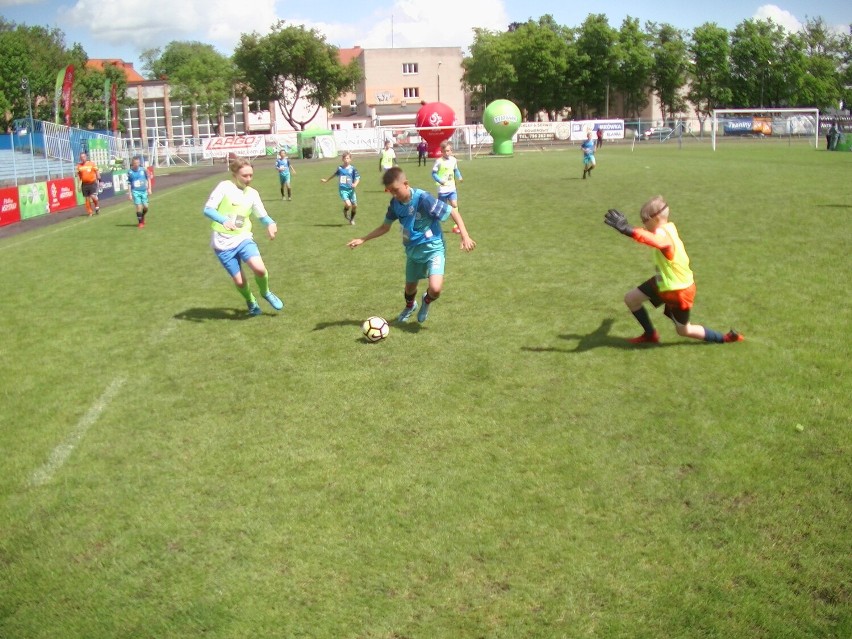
{"x":612,"y":129}
{"x":120,"y":181}
{"x":10,"y":211}
{"x":106,"y":187}
{"x":543,"y":131}
{"x":60,"y":194}
{"x":240,"y":145}
{"x":32,"y":199}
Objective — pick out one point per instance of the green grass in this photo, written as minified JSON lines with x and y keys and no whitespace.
{"x":509,"y":469}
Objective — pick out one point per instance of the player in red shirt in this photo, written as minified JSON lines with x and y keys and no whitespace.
{"x":89,"y":176}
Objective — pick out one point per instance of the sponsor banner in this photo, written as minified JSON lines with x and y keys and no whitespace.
{"x":240,"y":145}
{"x":748,"y":126}
{"x":61,"y":194}
{"x":106,"y":188}
{"x":32,"y":199}
{"x":543,"y":131}
{"x":10,"y":210}
{"x":612,"y":129}
{"x":120,"y":181}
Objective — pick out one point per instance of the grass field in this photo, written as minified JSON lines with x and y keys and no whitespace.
{"x":510,"y":469}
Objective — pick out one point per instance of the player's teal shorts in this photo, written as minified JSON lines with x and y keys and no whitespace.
{"x":589,"y":159}
{"x":232,"y":258}
{"x":348,"y":194}
{"x":424,"y":260}
{"x":140,"y":197}
{"x":284,"y":177}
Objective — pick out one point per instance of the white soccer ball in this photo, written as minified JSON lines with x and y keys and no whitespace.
{"x":375,"y":329}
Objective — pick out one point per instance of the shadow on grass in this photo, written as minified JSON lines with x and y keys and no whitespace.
{"x":600,"y":338}
{"x":834,"y":206}
{"x":207,"y":314}
{"x":410,"y":327}
{"x":332,"y":225}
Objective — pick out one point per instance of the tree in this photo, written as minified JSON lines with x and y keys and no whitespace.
{"x":540,"y":58}
{"x":36,"y":53}
{"x":635,"y":61}
{"x":755,"y":57}
{"x":710,"y":71}
{"x":669,"y":73}
{"x":597,"y":56}
{"x":488,"y":71}
{"x":200,"y":77}
{"x":294,"y":66}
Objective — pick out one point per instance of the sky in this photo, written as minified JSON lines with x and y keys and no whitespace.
{"x":122,"y":29}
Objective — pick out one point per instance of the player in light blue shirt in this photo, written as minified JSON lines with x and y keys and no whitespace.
{"x":419,"y":215}
{"x":140,"y":189}
{"x":588,"y":155}
{"x":347,"y":179}
{"x":285,"y":168}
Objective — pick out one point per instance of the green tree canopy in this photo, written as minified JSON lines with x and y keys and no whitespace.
{"x":709,"y":86}
{"x":293,"y":65}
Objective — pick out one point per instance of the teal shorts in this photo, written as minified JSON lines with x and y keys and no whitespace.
{"x":348,"y":195}
{"x":424,"y":260}
{"x":140,"y":198}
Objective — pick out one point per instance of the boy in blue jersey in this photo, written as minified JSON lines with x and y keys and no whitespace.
{"x":420,"y":216}
{"x":140,"y":189}
{"x":588,"y":155}
{"x":347,"y":179}
{"x":285,"y":168}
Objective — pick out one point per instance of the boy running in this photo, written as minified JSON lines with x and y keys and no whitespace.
{"x":285,"y":168}
{"x":347,"y":179}
{"x":140,"y":189}
{"x":89,"y":176}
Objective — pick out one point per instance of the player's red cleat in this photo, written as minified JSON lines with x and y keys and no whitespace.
{"x":141,"y":225}
{"x":733,"y":336}
{"x":653,"y":338}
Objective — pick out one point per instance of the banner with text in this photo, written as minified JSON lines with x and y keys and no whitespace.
{"x":60,"y":194}
{"x":239,"y":145}
{"x":10,"y":211}
{"x":612,"y":129}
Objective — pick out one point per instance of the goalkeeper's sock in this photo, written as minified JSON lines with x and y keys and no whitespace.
{"x":262,"y":282}
{"x":644,"y":320}
{"x":245,"y":291}
{"x":713,"y":336}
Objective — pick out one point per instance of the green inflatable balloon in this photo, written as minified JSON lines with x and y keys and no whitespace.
{"x":502,"y":119}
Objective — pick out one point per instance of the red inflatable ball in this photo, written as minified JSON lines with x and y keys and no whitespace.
{"x":431,"y":116}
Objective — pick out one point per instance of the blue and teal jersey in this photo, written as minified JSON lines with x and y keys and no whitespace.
{"x":346,"y":176}
{"x":138,"y":179}
{"x":420,"y":218}
{"x":588,"y":147}
{"x":283,"y":166}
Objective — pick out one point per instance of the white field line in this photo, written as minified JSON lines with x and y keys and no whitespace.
{"x":63,"y":451}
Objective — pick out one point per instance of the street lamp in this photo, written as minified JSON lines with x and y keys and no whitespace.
{"x":439,"y":81}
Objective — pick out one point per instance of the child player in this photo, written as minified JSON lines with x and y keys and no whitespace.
{"x":420,"y":216}
{"x":588,"y":155}
{"x":673,"y":284}
{"x":140,"y":189}
{"x":285,"y":168}
{"x":445,"y":172}
{"x":347,"y":179}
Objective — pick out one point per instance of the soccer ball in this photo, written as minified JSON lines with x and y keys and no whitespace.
{"x":375,"y":329}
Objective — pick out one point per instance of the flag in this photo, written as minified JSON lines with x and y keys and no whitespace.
{"x":57,"y":94}
{"x":67,"y":84}
{"x":114,"y":103}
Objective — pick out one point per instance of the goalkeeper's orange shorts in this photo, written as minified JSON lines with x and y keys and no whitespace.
{"x":678,"y":303}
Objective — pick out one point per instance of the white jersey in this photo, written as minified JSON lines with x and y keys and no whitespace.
{"x":238,"y":205}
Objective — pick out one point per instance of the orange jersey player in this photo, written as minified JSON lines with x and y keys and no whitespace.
{"x":89,"y":176}
{"x":673,"y":285}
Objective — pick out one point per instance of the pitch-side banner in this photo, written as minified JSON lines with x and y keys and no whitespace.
{"x":240,"y":145}
{"x":612,"y":129}
{"x":10,"y":209}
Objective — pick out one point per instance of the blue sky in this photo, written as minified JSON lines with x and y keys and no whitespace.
{"x":122,"y":29}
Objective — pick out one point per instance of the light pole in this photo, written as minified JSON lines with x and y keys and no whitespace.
{"x":439,"y":81}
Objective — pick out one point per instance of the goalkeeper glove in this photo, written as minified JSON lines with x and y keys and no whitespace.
{"x":616,"y":220}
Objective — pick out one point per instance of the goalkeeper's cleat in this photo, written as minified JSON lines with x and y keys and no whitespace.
{"x":253,"y":308}
{"x":274,"y":301}
{"x":653,"y":338}
{"x":424,"y":311}
{"x":733,"y":336}
{"x":406,"y":313}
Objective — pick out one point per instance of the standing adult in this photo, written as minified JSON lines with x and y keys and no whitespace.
{"x":89,"y":176}
{"x":600,"y":137}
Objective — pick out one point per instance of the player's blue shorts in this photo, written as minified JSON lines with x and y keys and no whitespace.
{"x":284,"y":177}
{"x":424,"y":260}
{"x":140,"y":197}
{"x":452,"y":196}
{"x":232,"y":258}
{"x":348,"y":194}
{"x":589,"y":159}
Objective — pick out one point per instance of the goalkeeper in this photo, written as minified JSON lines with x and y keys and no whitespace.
{"x":673,"y":285}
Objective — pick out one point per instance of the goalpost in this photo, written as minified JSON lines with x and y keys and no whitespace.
{"x":759,"y":123}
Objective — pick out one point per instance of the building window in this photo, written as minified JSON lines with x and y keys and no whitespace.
{"x":411,"y":92}
{"x":335,"y":107}
{"x":335,"y":127}
{"x":357,"y":125}
{"x":409,"y":68}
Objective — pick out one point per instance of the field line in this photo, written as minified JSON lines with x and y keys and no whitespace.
{"x":63,"y":451}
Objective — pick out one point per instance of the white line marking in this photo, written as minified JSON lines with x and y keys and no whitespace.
{"x":62,"y":452}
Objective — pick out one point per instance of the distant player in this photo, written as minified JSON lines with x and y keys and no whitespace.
{"x":89,"y":176}
{"x":588,"y":155}
{"x":445,"y":172}
{"x":347,"y":179}
{"x":387,"y":157}
{"x":673,"y":285}
{"x":140,"y":189}
{"x":285,"y":168}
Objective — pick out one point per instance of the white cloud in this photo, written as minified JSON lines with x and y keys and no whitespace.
{"x":779,"y":16}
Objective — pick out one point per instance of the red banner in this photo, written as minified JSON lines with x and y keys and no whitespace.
{"x":61,"y":194}
{"x":10,"y":209}
{"x":67,"y":83}
{"x":114,"y":104}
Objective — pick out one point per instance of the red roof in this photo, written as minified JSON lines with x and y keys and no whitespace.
{"x":129,"y":72}
{"x":347,"y":55}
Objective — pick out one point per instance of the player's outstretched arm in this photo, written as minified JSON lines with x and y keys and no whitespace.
{"x":376,"y":232}
{"x":467,"y":242}
{"x":618,"y":221}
